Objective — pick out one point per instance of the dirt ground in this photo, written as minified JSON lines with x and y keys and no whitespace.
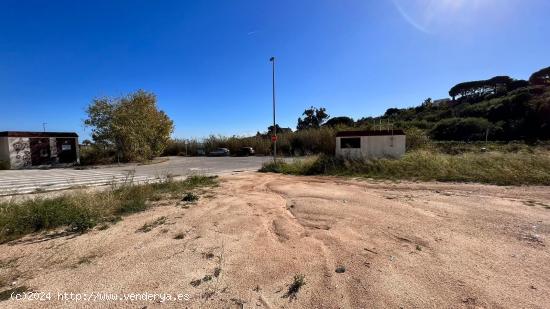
{"x":395,"y":245}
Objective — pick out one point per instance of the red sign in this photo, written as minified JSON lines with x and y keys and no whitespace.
{"x":274,"y":138}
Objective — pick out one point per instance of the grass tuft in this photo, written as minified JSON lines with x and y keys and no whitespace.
{"x":79,"y":212}
{"x":190,"y":197}
{"x":521,"y":168}
{"x":297,"y":283}
{"x":149,"y":226}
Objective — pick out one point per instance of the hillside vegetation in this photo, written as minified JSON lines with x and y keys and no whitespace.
{"x":497,"y":109}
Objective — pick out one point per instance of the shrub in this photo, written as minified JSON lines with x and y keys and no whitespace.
{"x":416,"y":139}
{"x":461,"y":129}
{"x":133,"y":124}
{"x":96,"y":155}
{"x":42,"y":214}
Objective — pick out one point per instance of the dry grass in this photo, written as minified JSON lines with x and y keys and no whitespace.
{"x":82,"y":211}
{"x":521,"y":168}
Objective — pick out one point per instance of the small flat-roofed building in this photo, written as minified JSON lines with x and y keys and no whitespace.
{"x":370,"y":144}
{"x":32,"y":149}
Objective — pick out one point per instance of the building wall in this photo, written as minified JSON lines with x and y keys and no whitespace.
{"x":387,"y":146}
{"x":20,"y":152}
{"x":53,"y":149}
{"x":374,"y":147}
{"x":17,"y":151}
{"x":77,"y":151}
{"x":351,"y":153}
{"x":4,"y":149}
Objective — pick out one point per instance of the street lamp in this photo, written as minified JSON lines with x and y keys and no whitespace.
{"x":274,"y":137}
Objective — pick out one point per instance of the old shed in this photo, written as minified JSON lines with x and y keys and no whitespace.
{"x":32,"y":149}
{"x":370,"y":144}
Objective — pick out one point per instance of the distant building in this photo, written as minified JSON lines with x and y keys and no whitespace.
{"x":31,"y":149}
{"x":370,"y":144}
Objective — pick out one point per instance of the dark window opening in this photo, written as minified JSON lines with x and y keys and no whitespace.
{"x":350,"y":142}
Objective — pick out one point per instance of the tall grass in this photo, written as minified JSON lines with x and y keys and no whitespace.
{"x":82,"y":211}
{"x":303,"y":142}
{"x":521,"y":168}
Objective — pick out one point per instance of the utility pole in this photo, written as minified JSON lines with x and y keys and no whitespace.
{"x":274,"y":137}
{"x":44,"y":126}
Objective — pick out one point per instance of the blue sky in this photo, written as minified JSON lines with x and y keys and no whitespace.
{"x":208,"y":61}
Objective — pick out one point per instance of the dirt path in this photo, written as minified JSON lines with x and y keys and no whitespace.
{"x":401,"y":245}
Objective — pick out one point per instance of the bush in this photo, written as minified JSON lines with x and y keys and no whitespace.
{"x":96,"y":155}
{"x":43,"y":214}
{"x":455,"y":129}
{"x":416,"y":139}
{"x":132,"y":123}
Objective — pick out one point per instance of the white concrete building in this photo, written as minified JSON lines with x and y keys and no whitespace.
{"x":28,"y":149}
{"x":370,"y":144}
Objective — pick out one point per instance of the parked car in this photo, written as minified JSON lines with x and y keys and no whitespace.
{"x":219,"y":152}
{"x":246,"y":151}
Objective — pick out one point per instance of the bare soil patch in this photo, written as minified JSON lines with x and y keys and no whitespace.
{"x":271,"y":241}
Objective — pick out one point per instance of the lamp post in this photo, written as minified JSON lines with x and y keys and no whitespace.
{"x":274,"y":137}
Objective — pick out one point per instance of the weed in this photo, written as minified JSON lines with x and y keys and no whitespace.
{"x":103,"y":226}
{"x":295,"y":286}
{"x":179,"y":235}
{"x":190,"y":197}
{"x":418,"y":248}
{"x":206,"y":278}
{"x":196,"y":282}
{"x":217,"y":272}
{"x":86,"y":259}
{"x":208,"y":255}
{"x":149,"y":226}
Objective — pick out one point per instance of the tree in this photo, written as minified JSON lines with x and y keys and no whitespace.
{"x":313,"y":118}
{"x":427,"y":102}
{"x":479,"y":88}
{"x":540,"y":77}
{"x":391,"y":112}
{"x":279,"y":129}
{"x":458,"y":129}
{"x":340,"y":121}
{"x":132,"y":125}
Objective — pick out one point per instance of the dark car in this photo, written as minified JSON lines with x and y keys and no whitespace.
{"x":246,"y":151}
{"x":219,"y":152}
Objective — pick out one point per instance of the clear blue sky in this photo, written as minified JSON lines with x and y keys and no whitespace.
{"x":208,"y":61}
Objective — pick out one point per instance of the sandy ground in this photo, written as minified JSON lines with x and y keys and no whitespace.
{"x":409,"y":245}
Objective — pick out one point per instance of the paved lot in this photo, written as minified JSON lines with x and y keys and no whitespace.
{"x":29,"y":181}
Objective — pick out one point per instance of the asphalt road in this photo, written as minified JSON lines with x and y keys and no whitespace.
{"x":34,"y":180}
